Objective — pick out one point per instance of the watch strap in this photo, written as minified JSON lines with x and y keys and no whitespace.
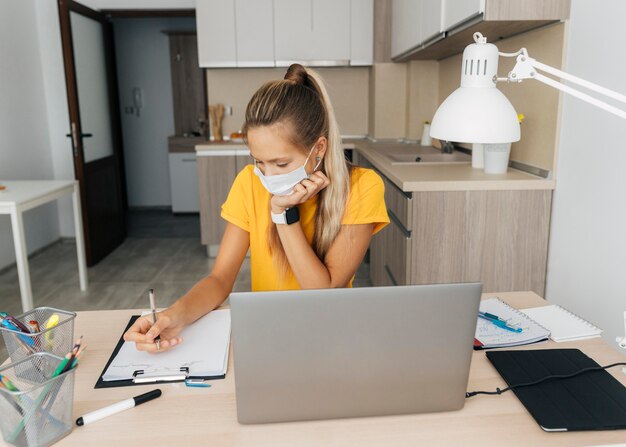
{"x":289,"y":216}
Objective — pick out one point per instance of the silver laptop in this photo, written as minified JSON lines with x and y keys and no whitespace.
{"x":337,"y":353}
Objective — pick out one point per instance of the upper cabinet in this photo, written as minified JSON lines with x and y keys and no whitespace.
{"x":436,"y":29}
{"x":415,"y":22}
{"x":456,"y":12}
{"x":268,"y":33}
{"x":254,"y":20}
{"x":215,"y":25}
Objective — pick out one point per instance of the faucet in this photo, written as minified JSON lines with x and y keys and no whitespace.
{"x":447,"y":147}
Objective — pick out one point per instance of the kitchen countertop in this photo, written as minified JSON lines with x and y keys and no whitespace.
{"x":441,"y":176}
{"x":181,"y":144}
{"x":412,"y":177}
{"x":217,"y":148}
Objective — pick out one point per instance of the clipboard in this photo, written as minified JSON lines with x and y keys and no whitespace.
{"x":142,"y":377}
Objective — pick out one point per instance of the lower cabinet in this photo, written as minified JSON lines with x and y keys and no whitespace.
{"x":499,"y":238}
{"x":184,"y":182}
{"x":216,"y":174}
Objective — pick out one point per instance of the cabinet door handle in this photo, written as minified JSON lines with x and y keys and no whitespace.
{"x":391,"y":277}
{"x":188,"y":159}
{"x":394,"y":219}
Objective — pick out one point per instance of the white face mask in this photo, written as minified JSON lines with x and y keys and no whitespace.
{"x":283,"y":184}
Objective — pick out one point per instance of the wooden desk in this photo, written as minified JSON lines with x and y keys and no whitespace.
{"x":24,"y":195}
{"x":196,"y":416}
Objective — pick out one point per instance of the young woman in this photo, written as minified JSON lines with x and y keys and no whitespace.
{"x":305,"y":214}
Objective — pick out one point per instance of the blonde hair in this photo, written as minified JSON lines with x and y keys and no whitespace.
{"x":300,"y":102}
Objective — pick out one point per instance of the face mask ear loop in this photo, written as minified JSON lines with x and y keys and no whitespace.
{"x":307,"y":160}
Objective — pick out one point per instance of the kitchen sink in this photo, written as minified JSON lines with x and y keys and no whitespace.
{"x":429,"y":158}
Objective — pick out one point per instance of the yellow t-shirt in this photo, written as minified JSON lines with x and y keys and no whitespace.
{"x":247,"y":207}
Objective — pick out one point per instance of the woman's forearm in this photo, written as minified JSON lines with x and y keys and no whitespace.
{"x":208,"y":294}
{"x":310,"y":272}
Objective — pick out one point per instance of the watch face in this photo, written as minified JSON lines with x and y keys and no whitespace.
{"x":292,"y":215}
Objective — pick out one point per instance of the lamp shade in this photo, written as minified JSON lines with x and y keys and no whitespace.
{"x":477,"y":112}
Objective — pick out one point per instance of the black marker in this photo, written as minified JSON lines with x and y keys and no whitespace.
{"x":116,"y":408}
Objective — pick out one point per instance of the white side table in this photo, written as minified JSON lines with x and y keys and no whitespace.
{"x":22,"y":196}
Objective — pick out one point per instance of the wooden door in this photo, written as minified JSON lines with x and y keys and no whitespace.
{"x":88,"y":54}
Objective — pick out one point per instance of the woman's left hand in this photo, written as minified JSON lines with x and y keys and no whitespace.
{"x":302,"y":192}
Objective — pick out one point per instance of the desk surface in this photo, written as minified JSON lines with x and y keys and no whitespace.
{"x":21,"y":191}
{"x":207,"y":416}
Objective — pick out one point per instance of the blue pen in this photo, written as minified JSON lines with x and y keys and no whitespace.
{"x":7,"y":324}
{"x":499,"y":322}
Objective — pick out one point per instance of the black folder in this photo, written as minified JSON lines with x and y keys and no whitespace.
{"x":115,"y":383}
{"x":594,"y":400}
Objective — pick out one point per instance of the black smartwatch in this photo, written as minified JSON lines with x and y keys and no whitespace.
{"x":289,"y":216}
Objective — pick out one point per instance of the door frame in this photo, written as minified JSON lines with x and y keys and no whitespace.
{"x":76,"y":131}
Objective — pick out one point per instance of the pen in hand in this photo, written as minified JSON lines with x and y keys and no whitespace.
{"x":157,"y":339}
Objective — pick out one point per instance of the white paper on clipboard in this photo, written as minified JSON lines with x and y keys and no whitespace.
{"x":204,"y":351}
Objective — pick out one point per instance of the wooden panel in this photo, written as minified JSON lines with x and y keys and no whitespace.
{"x":508,"y":239}
{"x":188,"y":86}
{"x":439,"y":237}
{"x":378,"y":253}
{"x":398,"y":203}
{"x":241,"y":161}
{"x":215,"y":177}
{"x":397,"y":250}
{"x":382,"y":31}
{"x":527,"y":9}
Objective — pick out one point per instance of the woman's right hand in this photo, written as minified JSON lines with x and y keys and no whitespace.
{"x":168,"y":326}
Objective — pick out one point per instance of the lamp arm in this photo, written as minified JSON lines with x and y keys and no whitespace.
{"x":527,"y":68}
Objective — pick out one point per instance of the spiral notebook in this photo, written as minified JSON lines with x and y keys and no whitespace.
{"x":563,"y":324}
{"x":489,"y":335}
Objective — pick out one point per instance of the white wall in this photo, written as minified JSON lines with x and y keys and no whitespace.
{"x":587,"y":255}
{"x":142,"y":55}
{"x":51,"y":52}
{"x":24,"y":138}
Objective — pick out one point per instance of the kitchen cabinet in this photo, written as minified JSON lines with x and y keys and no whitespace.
{"x":361,"y":32}
{"x":431,"y":27}
{"x":215,"y":24}
{"x":216,"y":173}
{"x":405,"y":31}
{"x":312,"y":31}
{"x":184,"y":183}
{"x":497,"y":237}
{"x":267,"y":33}
{"x":456,"y":12}
{"x":414,"y":33}
{"x":414,"y":23}
{"x":254,"y":21}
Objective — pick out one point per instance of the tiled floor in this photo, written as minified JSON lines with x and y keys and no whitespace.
{"x":162,"y":251}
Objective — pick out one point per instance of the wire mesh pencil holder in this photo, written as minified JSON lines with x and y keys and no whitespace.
{"x":38,"y":412}
{"x":57,"y":339}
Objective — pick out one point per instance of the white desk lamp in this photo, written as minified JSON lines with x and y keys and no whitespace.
{"x":477,"y":112}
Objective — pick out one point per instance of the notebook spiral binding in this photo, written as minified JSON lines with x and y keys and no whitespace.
{"x":578,"y":317}
{"x":523,"y":315}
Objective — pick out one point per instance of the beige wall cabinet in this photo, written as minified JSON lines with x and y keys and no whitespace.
{"x":216,"y":174}
{"x":268,"y":33}
{"x":436,"y":29}
{"x":499,"y":238}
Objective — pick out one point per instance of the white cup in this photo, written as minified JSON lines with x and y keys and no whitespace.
{"x":497,"y":158}
{"x":426,"y":140}
{"x":478,"y":157}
